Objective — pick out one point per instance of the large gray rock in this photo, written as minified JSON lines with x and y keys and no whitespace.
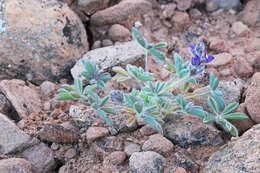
{"x":239,"y":156}
{"x":15,"y":165}
{"x":12,"y":138}
{"x":108,"y":57}
{"x":92,"y":6}
{"x":39,"y":40}
{"x":146,"y":162}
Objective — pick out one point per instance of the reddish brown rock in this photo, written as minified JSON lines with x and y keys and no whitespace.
{"x":251,"y":15}
{"x":221,"y":59}
{"x":15,"y":165}
{"x":181,"y":20}
{"x":94,"y":133}
{"x":116,"y":157}
{"x":159,"y":144}
{"x":252,"y":100}
{"x":126,"y":13}
{"x":58,"y":134}
{"x":240,"y":29}
{"x":119,"y":33}
{"x":92,"y":6}
{"x":41,"y":39}
{"x":25,"y":100}
{"x":242,"y":68}
{"x":217,"y":44}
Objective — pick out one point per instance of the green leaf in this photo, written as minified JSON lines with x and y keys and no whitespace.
{"x":213,"y":105}
{"x":103,"y":115}
{"x":235,"y":116}
{"x":120,"y":70}
{"x":75,"y":95}
{"x":228,"y":127}
{"x":101,"y":84}
{"x":139,"y":38}
{"x":231,"y":107}
{"x":208,"y":118}
{"x":218,"y":97}
{"x":178,"y":63}
{"x":64,"y":96}
{"x":160,"y":45}
{"x":105,"y":77}
{"x":193,"y":81}
{"x":68,"y":88}
{"x":213,"y":82}
{"x":109,"y":110}
{"x":86,"y":75}
{"x":120,"y":78}
{"x":138,"y":107}
{"x":104,"y":101}
{"x":183,"y":73}
{"x":198,"y":111}
{"x":78,"y":85}
{"x":153,"y":123}
{"x":159,"y":55}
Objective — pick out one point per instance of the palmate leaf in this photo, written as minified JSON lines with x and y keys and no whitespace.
{"x":235,"y":116}
{"x":198,"y":111}
{"x":218,"y":98}
{"x":78,"y":85}
{"x":227,"y":126}
{"x":208,"y":118}
{"x":104,"y":101}
{"x":213,"y":81}
{"x":64,"y":96}
{"x":105,"y":77}
{"x":178,"y":63}
{"x":109,"y":110}
{"x":120,"y":70}
{"x":231,"y":107}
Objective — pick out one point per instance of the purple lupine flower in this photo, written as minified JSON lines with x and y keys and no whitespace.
{"x":200,"y":55}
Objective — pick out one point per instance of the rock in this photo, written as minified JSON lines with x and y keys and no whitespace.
{"x":231,"y":93}
{"x":184,"y":160}
{"x":70,"y":153}
{"x":191,"y":131}
{"x":256,"y":62}
{"x":15,"y":165}
{"x":221,"y":59}
{"x":168,"y":10}
{"x":25,"y":100}
{"x":242,"y":125}
{"x":97,"y":44}
{"x":228,"y":4}
{"x":41,"y":40}
{"x":109,"y":144}
{"x":251,"y":13}
{"x":147,"y":130}
{"x":181,"y":20}
{"x":159,"y":144}
{"x":116,"y":157}
{"x":41,"y":157}
{"x":211,"y":5}
{"x":6,"y":107}
{"x":195,"y":13}
{"x":58,"y":134}
{"x":253,"y":45}
{"x":107,"y":42}
{"x":131,"y":148}
{"x":217,"y":44}
{"x":148,"y":161}
{"x":12,"y":138}
{"x":108,"y":57}
{"x":118,"y":33}
{"x":240,"y":29}
{"x":92,"y":6}
{"x":47,"y":88}
{"x":94,"y":133}
{"x":242,"y":68}
{"x":126,"y":13}
{"x":253,"y":98}
{"x":240,"y":155}
{"x":184,"y":4}
{"x":180,"y":170}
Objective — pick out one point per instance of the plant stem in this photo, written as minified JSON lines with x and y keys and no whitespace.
{"x":197,"y":95}
{"x":146,"y":61}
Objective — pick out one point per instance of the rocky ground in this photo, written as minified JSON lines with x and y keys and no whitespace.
{"x":40,"y":45}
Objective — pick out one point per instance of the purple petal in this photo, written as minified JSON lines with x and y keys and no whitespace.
{"x":195,"y":61}
{"x":209,"y":59}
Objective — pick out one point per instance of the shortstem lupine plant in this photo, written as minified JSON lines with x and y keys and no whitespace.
{"x":154,"y":101}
